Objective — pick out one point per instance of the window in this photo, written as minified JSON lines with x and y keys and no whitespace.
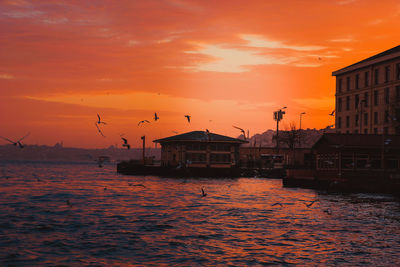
{"x":357,"y":79}
{"x":339,"y":109}
{"x":196,"y":157}
{"x":356,"y":120}
{"x":398,"y":71}
{"x":220,"y":158}
{"x":387,"y":74}
{"x":365,"y":131}
{"x":366,"y":78}
{"x":339,"y":122}
{"x":386,"y":117}
{"x":376,"y":97}
{"x":356,"y":131}
{"x":356,"y":101}
{"x":348,"y":83}
{"x":398,"y":93}
{"x":347,"y":121}
{"x":375,"y":130}
{"x":339,"y":85}
{"x":376,"y":117}
{"x":347,"y":102}
{"x":366,"y":97}
{"x":376,"y":76}
{"x":365,"y":119}
{"x":387,"y":95}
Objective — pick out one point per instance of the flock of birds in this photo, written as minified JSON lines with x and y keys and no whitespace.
{"x":125,"y":143}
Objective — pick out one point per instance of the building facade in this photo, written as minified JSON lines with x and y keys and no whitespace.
{"x":368,"y":95}
{"x":199,"y":149}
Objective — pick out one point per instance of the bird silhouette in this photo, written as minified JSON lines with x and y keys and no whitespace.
{"x":188,"y":118}
{"x":243,"y":132}
{"x":18,"y":142}
{"x":99,"y":120}
{"x":175,"y":132}
{"x":125,"y":144}
{"x":277,"y":203}
{"x":310,"y":204}
{"x":143,"y":121}
{"x":203,"y":194}
{"x":99,"y":130}
{"x":155,"y":116}
{"x":332,"y":113}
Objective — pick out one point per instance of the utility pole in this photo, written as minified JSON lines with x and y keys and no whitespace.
{"x":278,"y":116}
{"x":144,"y":148}
{"x":300,"y":129}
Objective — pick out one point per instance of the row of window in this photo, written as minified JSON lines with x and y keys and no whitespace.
{"x":363,"y":120}
{"x":375,"y":131}
{"x":361,"y":162}
{"x":360,"y":103}
{"x":213,"y":147}
{"x":366,"y":78}
{"x":214,"y":158}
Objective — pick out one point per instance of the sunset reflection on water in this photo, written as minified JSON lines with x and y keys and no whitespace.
{"x":125,"y":220}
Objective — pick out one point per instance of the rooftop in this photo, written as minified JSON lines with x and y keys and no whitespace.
{"x":385,"y":55}
{"x":359,"y":140}
{"x":200,"y":136}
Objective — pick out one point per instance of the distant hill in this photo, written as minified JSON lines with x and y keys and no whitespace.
{"x":308,"y":137}
{"x":60,"y":153}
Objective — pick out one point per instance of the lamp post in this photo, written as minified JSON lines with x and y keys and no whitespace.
{"x":278,"y":116}
{"x":300,"y":118}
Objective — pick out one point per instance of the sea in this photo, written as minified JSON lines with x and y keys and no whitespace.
{"x":78,"y":214}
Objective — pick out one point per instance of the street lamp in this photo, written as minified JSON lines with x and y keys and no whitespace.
{"x":278,"y":116}
{"x":300,"y":118}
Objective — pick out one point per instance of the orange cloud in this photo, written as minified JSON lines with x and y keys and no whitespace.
{"x":226,"y":62}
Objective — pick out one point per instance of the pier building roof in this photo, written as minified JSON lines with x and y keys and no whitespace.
{"x":200,"y":136}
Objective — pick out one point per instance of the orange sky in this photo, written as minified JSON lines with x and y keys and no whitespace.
{"x":223,"y":62}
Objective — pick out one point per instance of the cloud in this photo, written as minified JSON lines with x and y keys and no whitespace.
{"x":23,"y":14}
{"x":6,"y":76}
{"x":345,"y":2}
{"x":343,"y":40}
{"x":232,"y":60}
{"x":259,"y":41}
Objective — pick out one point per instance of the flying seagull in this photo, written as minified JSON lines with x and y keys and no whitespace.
{"x":143,"y":121}
{"x":18,"y":142}
{"x":155,"y":116}
{"x":98,"y":129}
{"x":332,"y":113}
{"x":244,"y":133}
{"x":99,"y":120}
{"x":125,"y":144}
{"x":310,"y":204}
{"x":188,"y":118}
{"x":277,"y":203}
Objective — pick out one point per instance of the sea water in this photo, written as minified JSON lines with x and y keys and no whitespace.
{"x":82,"y":215}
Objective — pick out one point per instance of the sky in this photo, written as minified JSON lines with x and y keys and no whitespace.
{"x":224,"y":63}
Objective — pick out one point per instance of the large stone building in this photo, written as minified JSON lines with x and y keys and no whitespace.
{"x":368,"y":95}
